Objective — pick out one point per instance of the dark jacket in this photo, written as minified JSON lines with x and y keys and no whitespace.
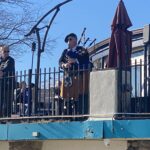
{"x":80,"y":54}
{"x":7,"y":66}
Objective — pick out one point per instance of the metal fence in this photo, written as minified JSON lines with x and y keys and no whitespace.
{"x":134,"y":90}
{"x":140,"y":95}
{"x":65,"y":94}
{"x":58,"y":93}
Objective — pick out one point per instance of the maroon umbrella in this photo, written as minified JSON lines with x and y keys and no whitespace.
{"x":120,"y":42}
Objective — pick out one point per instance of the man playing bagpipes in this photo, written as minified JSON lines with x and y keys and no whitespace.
{"x":75,"y":61}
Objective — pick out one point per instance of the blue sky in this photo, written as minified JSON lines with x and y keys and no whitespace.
{"x":95,"y":15}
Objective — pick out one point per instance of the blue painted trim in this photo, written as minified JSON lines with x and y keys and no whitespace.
{"x":3,"y":132}
{"x":127,"y":129}
{"x":77,"y":130}
{"x":63,"y":130}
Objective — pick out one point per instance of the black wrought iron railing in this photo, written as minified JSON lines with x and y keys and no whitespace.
{"x":140,"y":83}
{"x":65,"y":94}
{"x":134,"y":90}
{"x":58,"y":93}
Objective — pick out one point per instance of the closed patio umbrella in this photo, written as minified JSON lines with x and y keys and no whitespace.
{"x":120,"y":54}
{"x":120,"y":42}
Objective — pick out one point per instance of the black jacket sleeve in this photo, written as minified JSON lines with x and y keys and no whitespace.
{"x":62,"y":58}
{"x":9,"y":67}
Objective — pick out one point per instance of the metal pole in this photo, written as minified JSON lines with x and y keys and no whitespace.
{"x":33,"y":50}
{"x":37,"y":72}
{"x":36,"y":30}
{"x":41,"y":19}
{"x":145,"y":70}
{"x":145,"y":75}
{"x":148,"y":68}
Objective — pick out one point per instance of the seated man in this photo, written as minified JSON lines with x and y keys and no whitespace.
{"x":74,"y":61}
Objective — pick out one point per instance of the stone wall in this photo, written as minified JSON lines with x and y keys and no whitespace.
{"x":139,"y":145}
{"x":76,"y":145}
{"x":64,"y":145}
{"x":25,"y":145}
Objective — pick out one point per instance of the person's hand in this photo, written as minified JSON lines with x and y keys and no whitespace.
{"x":1,"y":74}
{"x":67,"y":65}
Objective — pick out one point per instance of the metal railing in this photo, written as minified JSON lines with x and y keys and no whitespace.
{"x":134,"y":90}
{"x":65,"y":94}
{"x":59,"y":93}
{"x":140,"y":94}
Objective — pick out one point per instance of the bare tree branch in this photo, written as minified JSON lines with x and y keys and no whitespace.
{"x":15,"y":24}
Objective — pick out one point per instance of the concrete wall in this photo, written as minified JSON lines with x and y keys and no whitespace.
{"x":25,"y":145}
{"x":103,"y":92}
{"x":77,"y":145}
{"x":4,"y":145}
{"x":84,"y":145}
{"x":64,"y":145}
{"x":139,"y":145}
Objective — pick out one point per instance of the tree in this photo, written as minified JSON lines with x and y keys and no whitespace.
{"x":16,"y":20}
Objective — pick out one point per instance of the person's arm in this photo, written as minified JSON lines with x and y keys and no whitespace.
{"x":61,"y":59}
{"x":62,"y":62}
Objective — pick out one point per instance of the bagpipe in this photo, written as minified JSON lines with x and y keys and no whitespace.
{"x":74,"y":69}
{"x":75,"y":80}
{"x":72,"y":59}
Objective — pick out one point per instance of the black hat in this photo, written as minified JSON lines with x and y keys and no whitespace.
{"x":70,"y":35}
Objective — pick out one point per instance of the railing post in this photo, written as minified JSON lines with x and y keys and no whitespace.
{"x":148,"y":65}
{"x":30,"y":92}
{"x":145,"y":75}
{"x":119,"y":82}
{"x":145,"y":70}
